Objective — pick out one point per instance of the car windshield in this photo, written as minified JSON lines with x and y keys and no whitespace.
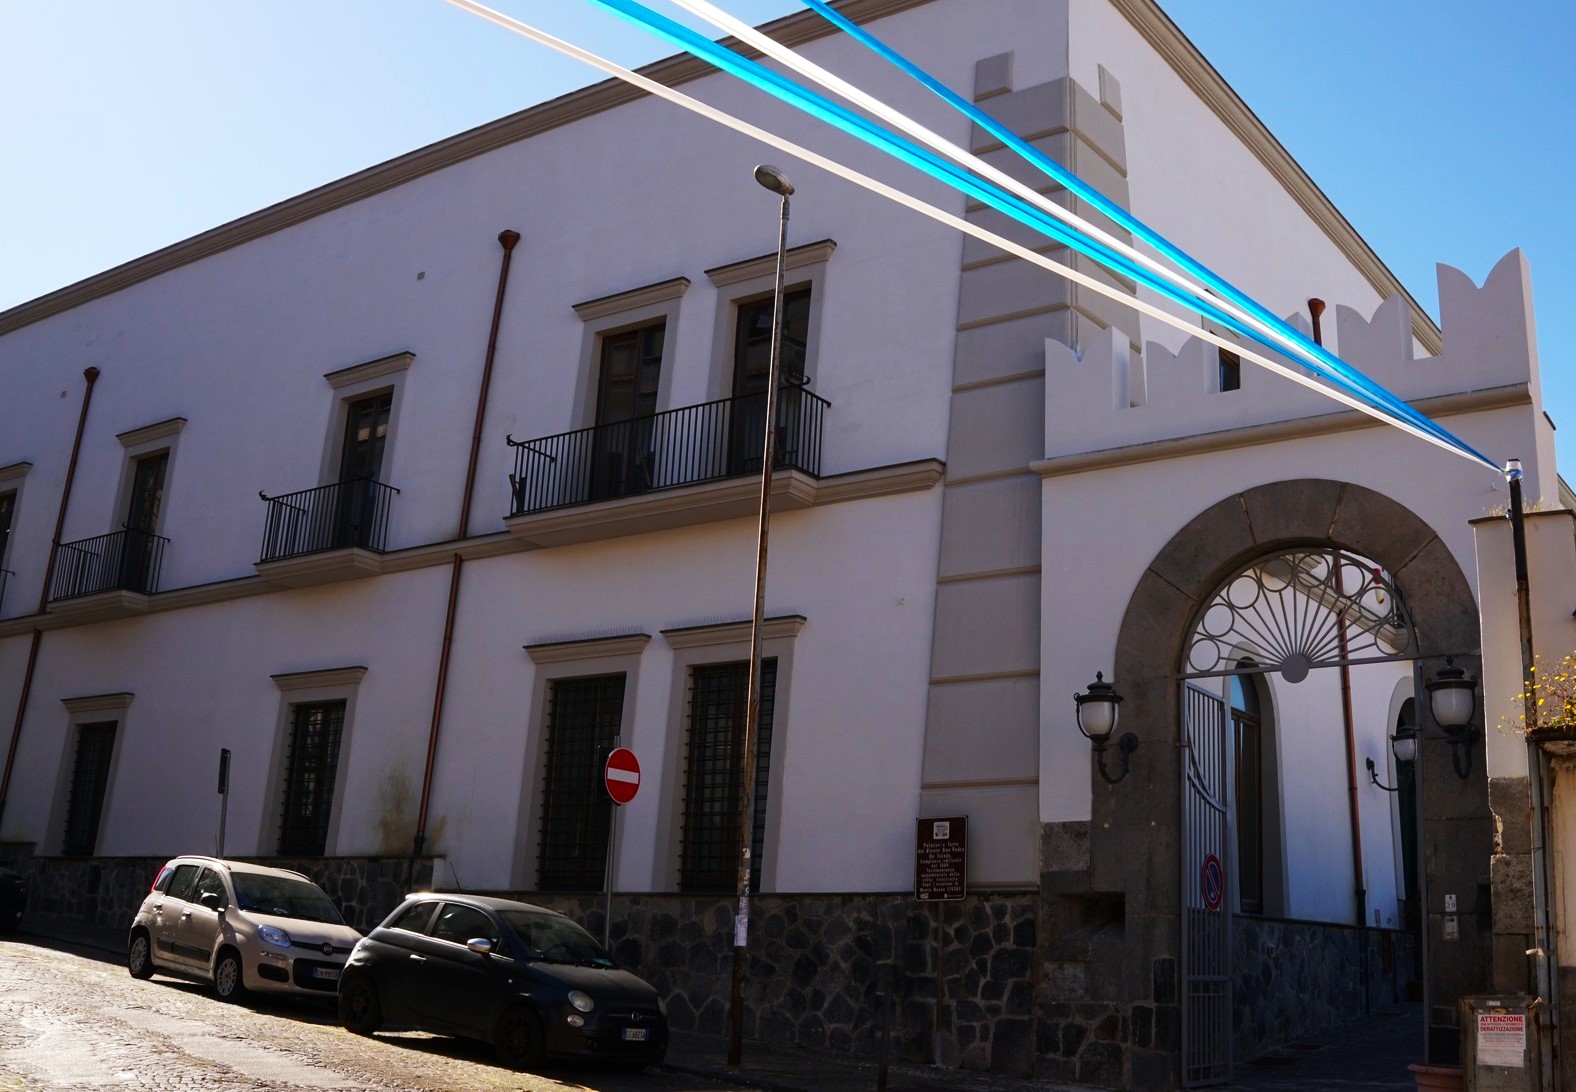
{"x":552,"y":939}
{"x":283,"y":897}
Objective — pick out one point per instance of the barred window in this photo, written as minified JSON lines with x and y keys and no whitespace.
{"x":709,"y":859}
{"x":583,"y":716}
{"x":310,"y":767}
{"x":89,"y":780}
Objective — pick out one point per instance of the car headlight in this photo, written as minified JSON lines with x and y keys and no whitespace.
{"x":581,"y":1000}
{"x":269,"y":934}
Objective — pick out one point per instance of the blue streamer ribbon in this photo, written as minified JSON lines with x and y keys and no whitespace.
{"x":1333,"y":366}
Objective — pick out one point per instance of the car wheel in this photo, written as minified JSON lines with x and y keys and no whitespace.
{"x":360,"y":1011}
{"x":139,"y":957}
{"x":227,"y":982}
{"x":518,"y":1039}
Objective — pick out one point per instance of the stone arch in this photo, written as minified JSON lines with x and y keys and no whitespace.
{"x":1134,"y":836}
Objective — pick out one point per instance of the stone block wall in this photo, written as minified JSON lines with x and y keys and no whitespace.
{"x":1294,"y":978}
{"x":822,"y":967}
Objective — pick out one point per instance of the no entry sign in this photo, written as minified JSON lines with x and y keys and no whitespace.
{"x":621,"y":775}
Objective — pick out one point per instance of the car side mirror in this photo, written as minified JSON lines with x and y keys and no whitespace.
{"x":480,"y":945}
{"x":212,"y":900}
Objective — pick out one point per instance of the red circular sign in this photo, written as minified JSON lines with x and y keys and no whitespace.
{"x":1212,"y":882}
{"x":621,"y":776}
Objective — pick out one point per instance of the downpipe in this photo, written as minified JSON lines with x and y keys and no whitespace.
{"x":506,"y":239}
{"x":91,"y":376}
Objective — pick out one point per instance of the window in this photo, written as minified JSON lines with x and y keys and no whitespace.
{"x":210,"y":883}
{"x":1230,"y":373}
{"x":584,"y":697}
{"x":183,"y":883}
{"x":311,"y":766}
{"x":460,"y":924}
{"x":752,"y":341}
{"x":709,"y":858}
{"x":583,"y":719}
{"x":624,"y":454}
{"x":743,"y":332}
{"x":89,"y":781}
{"x":317,"y":710}
{"x":366,"y":434}
{"x":414,"y":918}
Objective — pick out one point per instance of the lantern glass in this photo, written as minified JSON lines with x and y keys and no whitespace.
{"x":1452,"y":705}
{"x":1097,"y":718}
{"x":1404,"y":745}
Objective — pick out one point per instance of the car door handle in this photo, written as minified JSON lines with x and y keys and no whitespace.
{"x":418,"y":958}
{"x":186,"y":915}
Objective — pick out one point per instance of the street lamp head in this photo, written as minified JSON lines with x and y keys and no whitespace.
{"x":1097,"y":710}
{"x":773,"y":179}
{"x":1451,"y":696}
{"x":1513,"y":470}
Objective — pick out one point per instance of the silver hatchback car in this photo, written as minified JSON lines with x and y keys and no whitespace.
{"x":240,"y":926}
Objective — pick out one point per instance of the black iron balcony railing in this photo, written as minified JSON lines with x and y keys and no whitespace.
{"x":703,"y":443}
{"x":330,"y":517}
{"x":123,"y":560}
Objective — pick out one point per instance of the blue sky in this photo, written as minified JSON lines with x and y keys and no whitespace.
{"x":1443,"y":129}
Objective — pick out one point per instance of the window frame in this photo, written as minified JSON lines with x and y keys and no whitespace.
{"x":620,"y":313}
{"x":339,"y":684}
{"x":385,"y":375}
{"x":714,"y":643}
{"x":138,"y":444}
{"x":82,"y":712}
{"x":753,"y":279}
{"x":568,"y":659}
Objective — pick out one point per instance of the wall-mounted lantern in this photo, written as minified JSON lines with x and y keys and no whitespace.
{"x":1097,"y":716}
{"x":1452,"y":697}
{"x":1404,"y":746}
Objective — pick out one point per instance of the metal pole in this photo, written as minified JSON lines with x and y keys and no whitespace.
{"x":224,"y":793}
{"x":1542,"y":936}
{"x":1420,"y":833}
{"x":752,"y":712}
{"x":612,"y":843}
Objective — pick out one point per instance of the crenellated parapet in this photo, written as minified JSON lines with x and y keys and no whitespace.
{"x":1110,"y":397}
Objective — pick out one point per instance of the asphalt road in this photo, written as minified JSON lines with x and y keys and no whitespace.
{"x":72,"y":1020}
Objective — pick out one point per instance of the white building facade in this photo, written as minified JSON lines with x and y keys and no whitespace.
{"x":992,"y":486}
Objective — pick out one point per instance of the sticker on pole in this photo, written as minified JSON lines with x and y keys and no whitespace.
{"x":1212,"y":882}
{"x":621,"y":775}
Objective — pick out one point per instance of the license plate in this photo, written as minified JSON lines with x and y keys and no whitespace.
{"x":329,"y":973}
{"x":634,"y":1034}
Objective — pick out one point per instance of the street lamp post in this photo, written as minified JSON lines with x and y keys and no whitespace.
{"x":772,"y":179}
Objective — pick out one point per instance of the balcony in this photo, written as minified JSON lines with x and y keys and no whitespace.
{"x":333,"y":532}
{"x":121,"y":568}
{"x":711,"y":442}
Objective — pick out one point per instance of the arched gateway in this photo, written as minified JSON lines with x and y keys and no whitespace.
{"x":1275,"y":581}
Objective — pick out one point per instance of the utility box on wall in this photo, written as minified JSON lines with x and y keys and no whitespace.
{"x":1499,"y":1043}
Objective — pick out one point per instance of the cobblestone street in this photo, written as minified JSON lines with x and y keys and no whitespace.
{"x":74,"y":1021}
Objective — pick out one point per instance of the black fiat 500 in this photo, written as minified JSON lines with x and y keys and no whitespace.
{"x":527,"y":980}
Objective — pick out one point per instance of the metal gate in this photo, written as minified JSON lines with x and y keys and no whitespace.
{"x":1206,"y":902}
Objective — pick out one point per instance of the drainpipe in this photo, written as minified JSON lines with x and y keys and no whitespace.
{"x":1543,"y":953}
{"x":1348,"y":720}
{"x":506,"y":239}
{"x":91,"y":375}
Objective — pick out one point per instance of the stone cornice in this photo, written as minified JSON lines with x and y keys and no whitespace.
{"x":98,"y":703}
{"x":749,"y":269}
{"x":793,"y":30}
{"x":588,"y":648}
{"x":1203,"y":80}
{"x":634,"y":298}
{"x":313,"y":680}
{"x":727,"y":633}
{"x":14,"y":472}
{"x":1444,"y":405}
{"x":159,"y":430}
{"x":371,"y":369}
